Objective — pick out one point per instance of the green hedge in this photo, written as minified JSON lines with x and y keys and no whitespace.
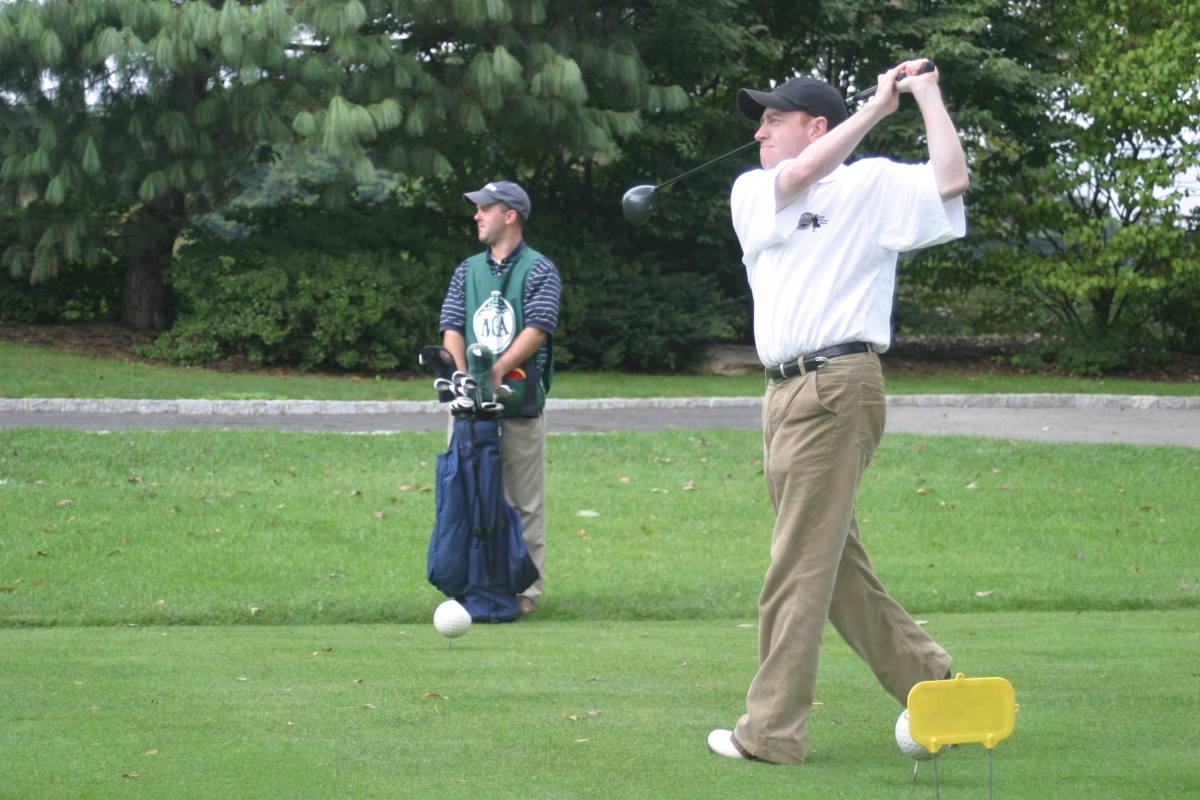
{"x":360,"y":287}
{"x":361,"y":311}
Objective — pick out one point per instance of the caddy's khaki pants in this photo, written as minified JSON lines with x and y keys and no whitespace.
{"x":524,"y":452}
{"x":820,"y":430}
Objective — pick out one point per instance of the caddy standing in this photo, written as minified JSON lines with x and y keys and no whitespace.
{"x":820,"y":241}
{"x":507,"y":298}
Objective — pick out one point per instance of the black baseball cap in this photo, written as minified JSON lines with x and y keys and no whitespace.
{"x":505,"y":192}
{"x":814,"y":96}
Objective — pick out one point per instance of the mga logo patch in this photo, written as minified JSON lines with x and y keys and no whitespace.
{"x":810,"y":220}
{"x":495,"y":323}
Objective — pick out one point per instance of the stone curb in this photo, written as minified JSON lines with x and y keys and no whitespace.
{"x":342,"y":407}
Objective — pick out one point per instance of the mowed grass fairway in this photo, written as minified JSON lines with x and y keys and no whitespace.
{"x":195,"y":527}
{"x":202,"y":590}
{"x":1108,"y":706}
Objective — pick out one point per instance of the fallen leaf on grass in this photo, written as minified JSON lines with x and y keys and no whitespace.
{"x":131,"y":775}
{"x":291,"y":724}
{"x":658,"y":491}
{"x":65,"y":503}
{"x":573,"y":718}
{"x":587,"y":512}
{"x":406,"y":488}
{"x":580,"y":741}
{"x":357,"y":680}
{"x":922,"y":490}
{"x":356,"y":493}
{"x":379,"y":515}
{"x":972,"y":485}
{"x":334,"y":575}
{"x":368,"y":705}
{"x":42,"y":553}
{"x":151,"y":752}
{"x":593,"y":713}
{"x":432,"y":694}
{"x":982,"y":594}
{"x":254,"y":610}
{"x":745,"y":625}
{"x":690,"y":486}
{"x":623,"y":479}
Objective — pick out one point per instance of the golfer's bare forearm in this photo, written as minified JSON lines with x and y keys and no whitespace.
{"x":824,"y":155}
{"x":945,"y":149}
{"x":456,"y":343}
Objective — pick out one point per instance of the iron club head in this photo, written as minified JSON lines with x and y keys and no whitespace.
{"x":638,"y":203}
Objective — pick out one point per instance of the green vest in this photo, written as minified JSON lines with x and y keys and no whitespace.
{"x":496,"y":316}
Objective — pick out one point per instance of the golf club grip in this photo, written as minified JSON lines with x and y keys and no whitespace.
{"x":928,"y":66}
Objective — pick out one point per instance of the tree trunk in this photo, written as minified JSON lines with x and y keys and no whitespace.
{"x":148,"y":301}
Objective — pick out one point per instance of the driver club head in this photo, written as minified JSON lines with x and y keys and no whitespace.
{"x":638,"y":204}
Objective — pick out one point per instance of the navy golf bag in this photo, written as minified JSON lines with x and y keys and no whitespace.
{"x":476,"y":553}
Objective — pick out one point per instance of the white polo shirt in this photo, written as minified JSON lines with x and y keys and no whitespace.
{"x":823,"y":268}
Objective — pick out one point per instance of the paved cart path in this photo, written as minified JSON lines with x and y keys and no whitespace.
{"x":1052,"y":418}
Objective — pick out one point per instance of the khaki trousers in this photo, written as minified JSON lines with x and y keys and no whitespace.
{"x":820,"y":430}
{"x":523,"y":450}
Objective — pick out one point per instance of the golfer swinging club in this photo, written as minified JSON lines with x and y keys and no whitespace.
{"x":820,"y":241}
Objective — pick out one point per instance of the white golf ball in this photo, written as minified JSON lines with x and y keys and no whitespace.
{"x":451,"y":619}
{"x":907,"y":744}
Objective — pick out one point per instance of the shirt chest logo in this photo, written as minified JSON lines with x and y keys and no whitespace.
{"x":809,"y":220}
{"x":495,"y":323}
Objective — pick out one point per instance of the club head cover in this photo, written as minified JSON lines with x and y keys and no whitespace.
{"x":442,"y":363}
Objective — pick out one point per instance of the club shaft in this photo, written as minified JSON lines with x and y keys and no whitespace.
{"x":708,"y":164}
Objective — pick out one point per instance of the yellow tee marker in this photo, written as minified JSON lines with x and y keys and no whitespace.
{"x":962,"y":711}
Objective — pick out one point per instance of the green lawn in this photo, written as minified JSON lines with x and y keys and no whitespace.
{"x":590,"y":709}
{"x":244,"y":614}
{"x":38,"y":372}
{"x":193,"y":527}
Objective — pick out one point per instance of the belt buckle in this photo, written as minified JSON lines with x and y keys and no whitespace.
{"x":822,"y":362}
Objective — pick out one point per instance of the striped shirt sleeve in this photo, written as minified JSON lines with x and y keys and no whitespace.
{"x":542,"y":293}
{"x":454,"y":307}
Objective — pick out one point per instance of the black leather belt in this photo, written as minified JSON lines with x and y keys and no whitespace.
{"x":815,"y":361}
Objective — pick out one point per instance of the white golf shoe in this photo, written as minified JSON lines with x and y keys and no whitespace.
{"x":721,"y":742}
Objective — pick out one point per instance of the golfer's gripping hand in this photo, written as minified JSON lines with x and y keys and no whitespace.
{"x":890,"y":83}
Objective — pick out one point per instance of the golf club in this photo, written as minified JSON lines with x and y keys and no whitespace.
{"x":928,"y":66}
{"x":638,"y":202}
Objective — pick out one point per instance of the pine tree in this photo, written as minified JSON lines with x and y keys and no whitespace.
{"x":153,"y":108}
